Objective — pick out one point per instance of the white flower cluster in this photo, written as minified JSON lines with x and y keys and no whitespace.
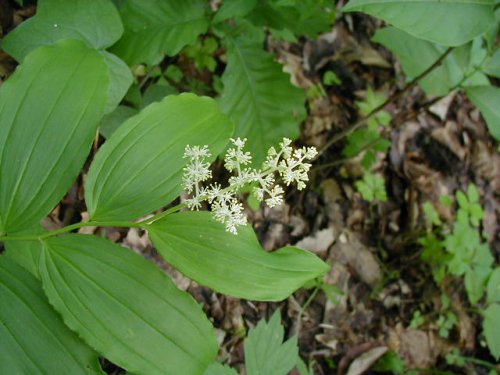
{"x":290,"y":164}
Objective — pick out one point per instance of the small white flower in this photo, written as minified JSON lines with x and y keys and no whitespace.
{"x":236,"y":157}
{"x":230,"y":213}
{"x":193,"y":203}
{"x":275,"y":197}
{"x":290,"y":164}
{"x":196,"y":152}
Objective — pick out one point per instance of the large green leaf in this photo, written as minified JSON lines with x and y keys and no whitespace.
{"x":301,"y":17}
{"x":218,"y":369}
{"x":139,"y":169}
{"x":237,"y":265}
{"x":265,"y":351}
{"x":259,"y":97}
{"x":447,"y":22}
{"x":96,"y":22}
{"x":417,"y":55}
{"x":491,"y":329}
{"x":492,"y":65}
{"x":486,"y":98}
{"x":493,"y":288}
{"x":120,"y":79}
{"x":154,"y":28}
{"x":49,"y":111}
{"x":234,"y":9}
{"x":125,"y":307}
{"x":25,"y":253}
{"x":33,"y":338}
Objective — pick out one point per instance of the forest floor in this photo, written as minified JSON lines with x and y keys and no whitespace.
{"x":379,"y":295}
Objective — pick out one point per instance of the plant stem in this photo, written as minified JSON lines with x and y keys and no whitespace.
{"x":304,"y":307}
{"x":389,"y":100}
{"x":72,"y":227}
{"x":161,"y":215}
{"x":479,"y":362}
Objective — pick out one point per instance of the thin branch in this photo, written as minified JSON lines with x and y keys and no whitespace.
{"x":303,"y":309}
{"x":389,"y":100}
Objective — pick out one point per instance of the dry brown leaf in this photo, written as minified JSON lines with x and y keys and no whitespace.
{"x":366,"y":360}
{"x":349,"y":251}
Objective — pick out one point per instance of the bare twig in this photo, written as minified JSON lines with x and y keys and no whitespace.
{"x":391,"y":99}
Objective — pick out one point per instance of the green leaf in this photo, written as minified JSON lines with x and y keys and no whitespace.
{"x":431,"y":215}
{"x":265,"y":351}
{"x":114,"y":119}
{"x":154,"y":28}
{"x":120,"y":79}
{"x":492,"y":66}
{"x":259,"y":97}
{"x":25,"y":253}
{"x":372,"y":187}
{"x":49,"y":111}
{"x":417,"y":55}
{"x":462,"y":200}
{"x":96,"y":22}
{"x":139,"y":168}
{"x":33,"y":338}
{"x":475,"y":279}
{"x":486,"y":98}
{"x":301,"y":17}
{"x":234,"y":9}
{"x":491,"y":329}
{"x":125,"y":307}
{"x":218,"y":369}
{"x":156,"y":93}
{"x":430,"y":19}
{"x":493,"y":288}
{"x":236,"y":265}
{"x":390,"y":362}
{"x":330,"y":78}
{"x":472,"y":193}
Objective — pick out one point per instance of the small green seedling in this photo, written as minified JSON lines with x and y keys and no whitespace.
{"x":331,"y":79}
{"x":369,"y":139}
{"x":202,"y":53}
{"x":372,"y":188}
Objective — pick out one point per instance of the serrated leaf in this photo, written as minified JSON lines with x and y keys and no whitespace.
{"x":417,"y":55}
{"x":300,"y":17}
{"x":430,"y":19}
{"x":233,"y":9}
{"x":49,"y":111}
{"x":154,"y":28}
{"x":96,"y":22}
{"x":486,"y":98}
{"x":32,"y":333}
{"x":139,"y":168}
{"x":236,"y":265}
{"x":219,"y":369}
{"x":265,"y":351}
{"x":259,"y":98}
{"x":372,"y":187}
{"x":491,"y":329}
{"x":462,"y":200}
{"x":475,"y":279}
{"x":493,"y":288}
{"x":125,"y":307}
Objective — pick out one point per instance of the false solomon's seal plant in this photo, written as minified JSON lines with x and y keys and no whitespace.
{"x":83,"y":296}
